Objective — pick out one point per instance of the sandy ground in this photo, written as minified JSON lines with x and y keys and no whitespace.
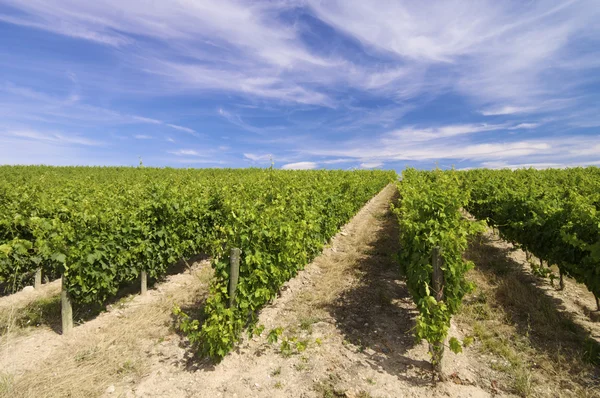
{"x":114,"y":346}
{"x":574,"y":300}
{"x":22,"y":298}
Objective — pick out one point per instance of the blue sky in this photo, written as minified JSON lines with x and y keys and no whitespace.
{"x":312,"y":84}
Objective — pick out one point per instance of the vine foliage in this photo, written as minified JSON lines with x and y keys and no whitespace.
{"x":430,"y":216}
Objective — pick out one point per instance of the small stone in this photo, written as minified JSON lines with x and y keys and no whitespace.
{"x":110,"y":389}
{"x":28,"y":289}
{"x":369,"y":351}
{"x":351,"y":394}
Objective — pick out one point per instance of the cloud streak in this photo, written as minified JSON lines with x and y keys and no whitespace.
{"x":53,"y":137}
{"x":300,"y":166}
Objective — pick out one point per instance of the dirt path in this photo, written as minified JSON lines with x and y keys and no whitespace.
{"x":575,"y":299}
{"x":346,"y":322}
{"x":115,"y":346}
{"x":22,"y":298}
{"x":13,"y":307}
{"x":532,"y":339}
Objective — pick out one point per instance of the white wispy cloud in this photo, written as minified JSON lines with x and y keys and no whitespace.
{"x":181,"y":128}
{"x":142,"y":137}
{"x":300,"y":166}
{"x":371,"y":165}
{"x":185,"y":152}
{"x":505,"y":165}
{"x":237,"y":120}
{"x":30,"y":104}
{"x":254,"y":42}
{"x":197,"y":161}
{"x":146,"y":120}
{"x":441,"y":144}
{"x":336,"y":161}
{"x":492,"y":51}
{"x":258,"y":158}
{"x":525,"y":126}
{"x":53,"y":137}
{"x":432,"y":133}
{"x":77,"y":30}
{"x":506,"y":110}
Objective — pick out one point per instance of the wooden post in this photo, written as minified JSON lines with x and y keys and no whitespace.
{"x":438,"y":274}
{"x":437,"y":283}
{"x":234,"y":274}
{"x":144,"y":281}
{"x":38,"y":278}
{"x":66,"y":308}
{"x":562,"y":282}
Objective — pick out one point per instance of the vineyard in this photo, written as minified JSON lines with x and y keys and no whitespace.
{"x":434,"y":234}
{"x":552,"y":214}
{"x":103,"y":229}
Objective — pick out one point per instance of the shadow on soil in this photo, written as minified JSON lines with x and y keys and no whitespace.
{"x":378,"y":315}
{"x":192,"y":360}
{"x":47,"y":311}
{"x":538,"y":316}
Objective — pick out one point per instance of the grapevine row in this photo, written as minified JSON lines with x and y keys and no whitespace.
{"x":433,"y":230}
{"x":283,"y":228}
{"x":553,"y":214}
{"x":101,"y":227}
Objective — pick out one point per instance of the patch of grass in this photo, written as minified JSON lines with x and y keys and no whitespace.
{"x":301,"y":345}
{"x":86,"y":354}
{"x":278,"y":385}
{"x":6,"y":384}
{"x":302,"y":366}
{"x":129,"y":367}
{"x":124,"y":301}
{"x":276,"y":371}
{"x":383,"y":297}
{"x":286,"y":349}
{"x":533,"y":343}
{"x":510,"y":353}
{"x":46,"y":311}
{"x":289,"y":345}
{"x":307,"y":322}
{"x":327,"y":390}
{"x":43,"y":311}
{"x":204,"y":275}
{"x":381,"y":216}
